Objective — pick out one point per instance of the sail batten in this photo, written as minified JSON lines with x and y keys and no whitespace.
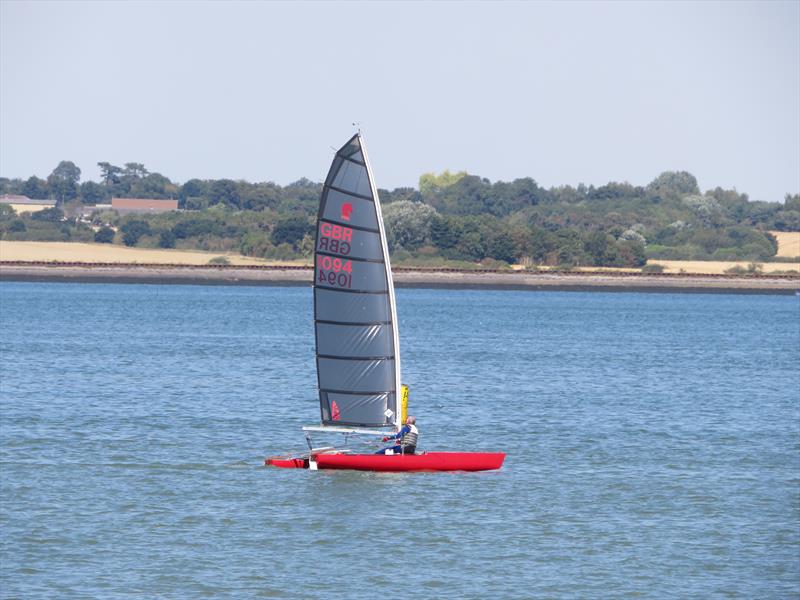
{"x":350,"y":193}
{"x":358,"y":363}
{"x":366,"y":260}
{"x":351,"y":226}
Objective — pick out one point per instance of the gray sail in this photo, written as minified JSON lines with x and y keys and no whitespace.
{"x":358,"y":363}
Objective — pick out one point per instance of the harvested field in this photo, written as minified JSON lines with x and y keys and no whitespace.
{"x":714,"y":267}
{"x":107,"y":253}
{"x":788,"y":243}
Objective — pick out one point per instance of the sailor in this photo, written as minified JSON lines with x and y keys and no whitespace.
{"x":406,"y":439}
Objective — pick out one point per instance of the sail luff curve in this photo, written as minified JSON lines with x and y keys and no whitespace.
{"x":357,"y":346}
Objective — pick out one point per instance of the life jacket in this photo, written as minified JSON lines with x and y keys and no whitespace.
{"x":409,"y":440}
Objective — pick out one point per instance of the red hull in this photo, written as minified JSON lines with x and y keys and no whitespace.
{"x":429,"y":461}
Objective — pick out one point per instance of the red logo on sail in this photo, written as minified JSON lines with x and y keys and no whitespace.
{"x":347,"y":210}
{"x":335,"y":410}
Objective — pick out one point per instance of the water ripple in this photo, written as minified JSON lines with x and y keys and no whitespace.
{"x":653,"y":441}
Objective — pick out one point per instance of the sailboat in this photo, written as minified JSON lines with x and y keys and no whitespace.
{"x":357,"y":341}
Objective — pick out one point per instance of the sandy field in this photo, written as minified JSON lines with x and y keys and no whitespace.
{"x":711,"y":267}
{"x":29,"y":208}
{"x":106,"y":253}
{"x":788,"y":247}
{"x":788,"y":243}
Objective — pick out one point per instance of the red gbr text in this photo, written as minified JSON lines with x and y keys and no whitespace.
{"x":335,"y":239}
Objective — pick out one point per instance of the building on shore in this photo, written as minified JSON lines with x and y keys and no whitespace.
{"x":88,"y":210}
{"x":22,"y":204}
{"x":126,"y":206}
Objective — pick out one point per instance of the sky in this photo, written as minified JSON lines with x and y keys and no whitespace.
{"x":565,"y":93}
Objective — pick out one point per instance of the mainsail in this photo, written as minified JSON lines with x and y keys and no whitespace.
{"x":358,"y":358}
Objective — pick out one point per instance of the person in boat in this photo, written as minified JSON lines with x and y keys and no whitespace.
{"x":406,"y":439}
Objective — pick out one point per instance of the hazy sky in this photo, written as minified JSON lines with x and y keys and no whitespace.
{"x":562,"y":92}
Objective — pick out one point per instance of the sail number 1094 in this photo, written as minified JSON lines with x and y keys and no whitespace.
{"x":335,"y":271}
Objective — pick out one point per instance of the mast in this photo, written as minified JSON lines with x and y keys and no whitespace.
{"x":390,"y":283}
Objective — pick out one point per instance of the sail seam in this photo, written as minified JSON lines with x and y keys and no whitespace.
{"x":369,"y":358}
{"x":349,"y":291}
{"x":367,"y":260}
{"x":353,"y":393}
{"x":354,"y":324}
{"x":353,"y":160}
{"x":348,"y":193}
{"x":356,"y":227}
{"x":348,"y":146}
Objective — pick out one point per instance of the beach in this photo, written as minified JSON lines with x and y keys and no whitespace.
{"x":512,"y":280}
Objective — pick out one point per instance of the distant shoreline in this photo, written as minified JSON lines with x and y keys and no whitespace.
{"x":519,"y":280}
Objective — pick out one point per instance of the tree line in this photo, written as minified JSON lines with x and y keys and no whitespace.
{"x":449,"y":217}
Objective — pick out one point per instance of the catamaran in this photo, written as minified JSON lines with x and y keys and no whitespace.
{"x":357,"y":341}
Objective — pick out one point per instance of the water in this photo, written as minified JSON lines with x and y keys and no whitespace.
{"x":653,"y":448}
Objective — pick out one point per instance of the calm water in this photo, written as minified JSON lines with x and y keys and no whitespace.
{"x":653,"y":441}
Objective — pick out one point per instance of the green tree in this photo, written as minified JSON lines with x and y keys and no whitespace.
{"x":601,"y":249}
{"x":259,"y":196}
{"x":104,"y":235}
{"x":7,"y":212}
{"x":7,"y":186}
{"x":133,"y":230}
{"x":291,"y":231}
{"x":675,"y":182}
{"x":63,"y":181}
{"x":224,"y":191}
{"x":92,"y":193}
{"x":507,"y":198}
{"x":501,"y":247}
{"x":154,"y":185}
{"x":470,"y":246}
{"x":134,"y":171}
{"x":48,"y":215}
{"x":192,"y":195}
{"x":431,"y":184}
{"x":109,"y":173}
{"x":569,"y":248}
{"x":300,"y":197}
{"x":197,"y":226}
{"x":17,"y":226}
{"x":470,"y":195}
{"x":194,"y":188}
{"x":401,"y":193}
{"x":631,"y":253}
{"x":787,"y":220}
{"x":306,"y":246}
{"x":35,"y":188}
{"x":166,"y":239}
{"x":445,"y":231}
{"x":409,"y":223}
